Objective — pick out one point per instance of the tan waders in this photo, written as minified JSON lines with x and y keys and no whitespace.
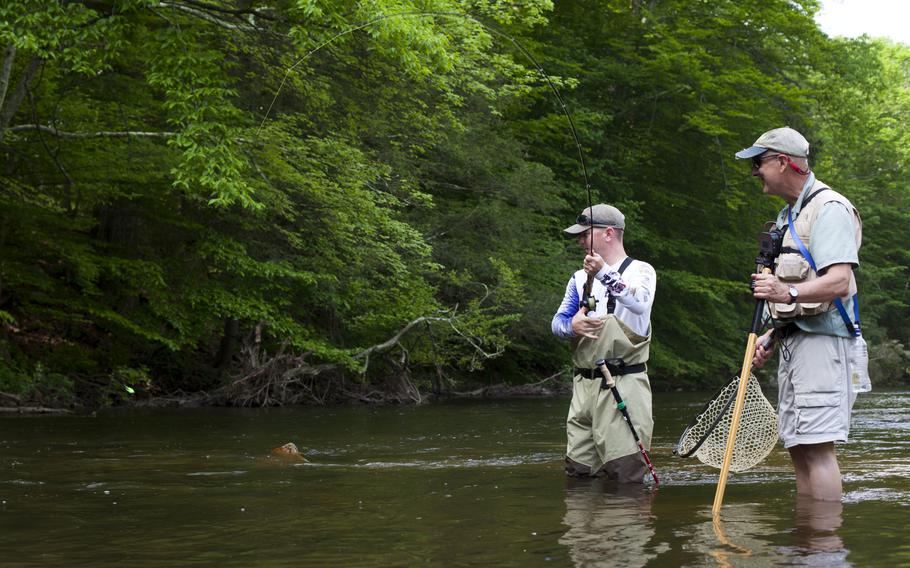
{"x":599,"y":440}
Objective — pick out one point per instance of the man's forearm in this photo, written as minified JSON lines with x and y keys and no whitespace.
{"x":562,"y":326}
{"x":834,"y":283}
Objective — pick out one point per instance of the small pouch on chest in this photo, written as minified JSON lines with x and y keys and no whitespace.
{"x":792,"y":267}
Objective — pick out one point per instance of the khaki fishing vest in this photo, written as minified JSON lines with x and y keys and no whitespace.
{"x":791,"y":267}
{"x":615,"y":340}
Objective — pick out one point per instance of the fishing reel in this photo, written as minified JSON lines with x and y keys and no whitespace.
{"x":587,"y":301}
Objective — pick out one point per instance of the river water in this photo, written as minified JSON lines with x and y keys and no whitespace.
{"x":476,"y":483}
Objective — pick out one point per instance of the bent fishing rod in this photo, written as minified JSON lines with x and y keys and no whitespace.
{"x":610,"y":383}
{"x":431,"y":14}
{"x":587,"y":302}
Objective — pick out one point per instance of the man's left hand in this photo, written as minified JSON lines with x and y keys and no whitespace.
{"x":586,"y":326}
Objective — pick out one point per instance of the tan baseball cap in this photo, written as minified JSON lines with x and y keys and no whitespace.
{"x":784,"y":140}
{"x":600,"y":215}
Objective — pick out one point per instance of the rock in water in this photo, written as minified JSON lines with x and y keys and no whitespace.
{"x":288,"y":451}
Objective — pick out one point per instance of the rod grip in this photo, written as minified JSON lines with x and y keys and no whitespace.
{"x":759,"y":314}
{"x":602,"y":365}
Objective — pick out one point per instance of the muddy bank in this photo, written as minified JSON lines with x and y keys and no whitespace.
{"x":373,"y":397}
{"x":554,"y":386}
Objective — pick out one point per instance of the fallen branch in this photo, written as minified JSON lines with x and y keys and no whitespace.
{"x":32,"y":410}
{"x":11,"y":397}
{"x":208,"y":17}
{"x":550,"y":378}
{"x":100,"y":134}
{"x":478,"y":392}
{"x":285,"y":378}
{"x":393,"y":341}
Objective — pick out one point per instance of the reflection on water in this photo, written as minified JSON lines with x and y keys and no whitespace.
{"x":739,"y":537}
{"x":815,"y":533}
{"x":609,"y":524}
{"x":465,"y":484}
{"x":752,"y":535}
{"x":728,"y":550}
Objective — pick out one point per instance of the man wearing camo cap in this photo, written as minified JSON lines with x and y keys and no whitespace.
{"x":618,"y":329}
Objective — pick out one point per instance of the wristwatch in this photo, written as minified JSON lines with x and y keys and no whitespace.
{"x":794,"y":294}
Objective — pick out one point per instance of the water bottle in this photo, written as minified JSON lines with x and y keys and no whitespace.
{"x":859,"y":365}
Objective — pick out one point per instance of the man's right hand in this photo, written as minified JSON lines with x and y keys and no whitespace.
{"x":764,"y":348}
{"x":584,"y":326}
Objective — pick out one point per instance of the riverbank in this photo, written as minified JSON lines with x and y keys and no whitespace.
{"x":553,"y":386}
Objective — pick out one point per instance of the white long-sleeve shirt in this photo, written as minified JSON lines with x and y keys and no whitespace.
{"x":633,"y":309}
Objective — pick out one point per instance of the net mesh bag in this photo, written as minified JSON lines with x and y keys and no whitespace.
{"x":706,"y":436}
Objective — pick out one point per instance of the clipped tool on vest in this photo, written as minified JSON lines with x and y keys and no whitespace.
{"x":610,"y":383}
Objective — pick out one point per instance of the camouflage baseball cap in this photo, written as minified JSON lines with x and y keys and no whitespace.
{"x":600,"y":215}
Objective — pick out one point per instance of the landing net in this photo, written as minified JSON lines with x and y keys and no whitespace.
{"x":706,"y":436}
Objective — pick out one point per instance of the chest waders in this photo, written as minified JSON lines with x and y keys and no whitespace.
{"x":598,"y":434}
{"x":610,"y":383}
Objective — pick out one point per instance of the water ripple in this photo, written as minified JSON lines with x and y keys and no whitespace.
{"x":878,"y":494}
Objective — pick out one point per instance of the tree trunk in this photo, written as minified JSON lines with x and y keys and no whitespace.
{"x":228,"y":344}
{"x":9,"y":55}
{"x":9,"y":107}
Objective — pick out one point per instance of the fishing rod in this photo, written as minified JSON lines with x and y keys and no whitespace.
{"x":610,"y":383}
{"x":588,"y":301}
{"x":424,"y":14}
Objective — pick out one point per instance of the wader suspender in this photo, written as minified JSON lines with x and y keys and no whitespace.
{"x":852,"y":328}
{"x":611,"y":299}
{"x":617,"y":367}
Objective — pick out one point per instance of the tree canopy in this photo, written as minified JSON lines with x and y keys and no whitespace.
{"x":305,"y":201}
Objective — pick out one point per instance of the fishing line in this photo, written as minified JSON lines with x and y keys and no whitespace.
{"x":492,"y":30}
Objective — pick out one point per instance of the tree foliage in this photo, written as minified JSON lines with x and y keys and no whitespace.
{"x":368,"y":196}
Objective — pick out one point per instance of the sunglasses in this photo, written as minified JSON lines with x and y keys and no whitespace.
{"x":757,"y":160}
{"x":584,"y":220}
{"x":589,"y":221}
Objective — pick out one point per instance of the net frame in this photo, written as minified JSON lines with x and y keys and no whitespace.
{"x":756,"y":437}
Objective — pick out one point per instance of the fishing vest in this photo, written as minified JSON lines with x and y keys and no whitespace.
{"x":791,"y":267}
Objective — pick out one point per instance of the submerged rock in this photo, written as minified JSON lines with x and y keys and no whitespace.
{"x":288,"y":452}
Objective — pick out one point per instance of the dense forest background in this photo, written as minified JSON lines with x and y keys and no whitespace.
{"x":317,"y":200}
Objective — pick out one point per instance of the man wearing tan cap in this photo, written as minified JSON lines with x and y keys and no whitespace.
{"x":617,"y":329}
{"x":811,"y":299}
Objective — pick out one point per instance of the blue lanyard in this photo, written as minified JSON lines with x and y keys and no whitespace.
{"x":853,"y":328}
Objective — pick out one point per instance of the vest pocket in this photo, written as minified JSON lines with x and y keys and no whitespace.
{"x":813,"y":308}
{"x":792,"y":267}
{"x":818,"y":413}
{"x":783,"y":311}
